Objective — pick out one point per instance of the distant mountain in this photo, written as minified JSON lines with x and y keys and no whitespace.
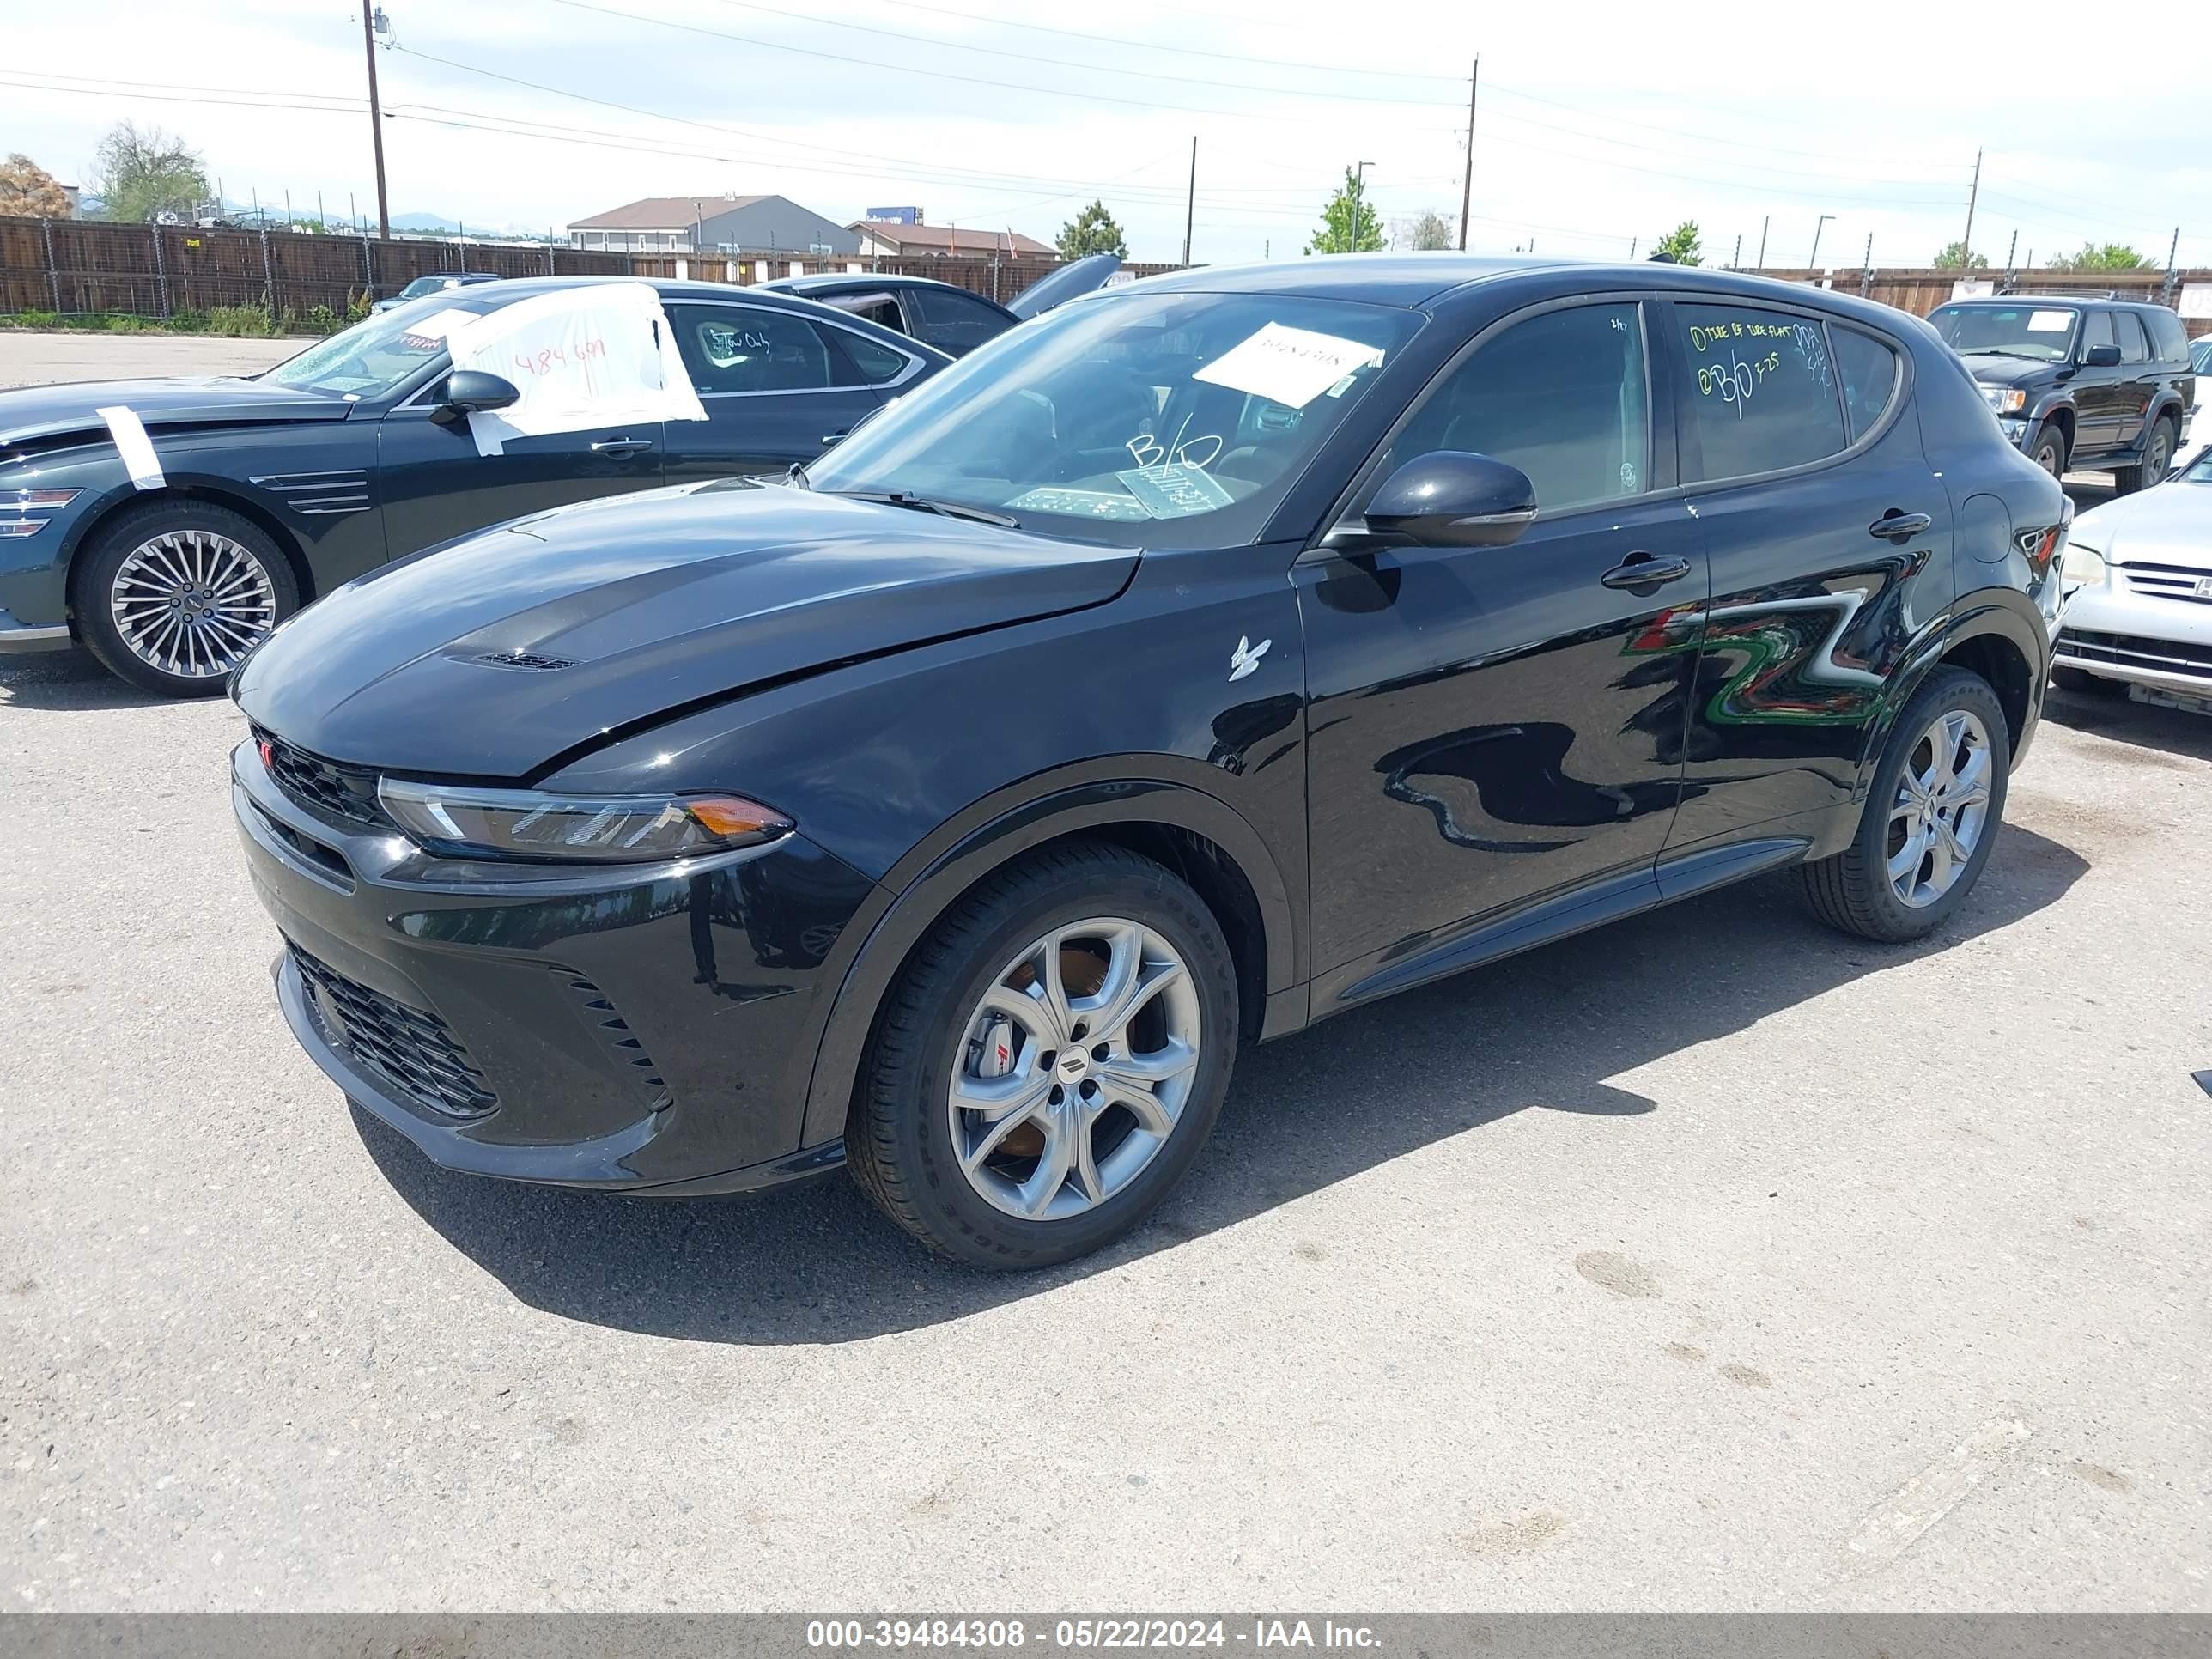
{"x":432,"y":224}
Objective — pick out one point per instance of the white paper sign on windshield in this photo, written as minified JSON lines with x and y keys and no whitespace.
{"x":1288,"y":366}
{"x":2049,"y":322}
{"x":440,"y":325}
{"x":582,"y":358}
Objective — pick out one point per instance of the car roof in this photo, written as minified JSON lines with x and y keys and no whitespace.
{"x":2029,"y":297}
{"x":832,"y":281}
{"x":1420,"y":282}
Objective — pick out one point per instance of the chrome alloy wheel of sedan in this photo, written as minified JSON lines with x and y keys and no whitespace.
{"x":1943,"y":808}
{"x":1078,"y":1062}
{"x":192,"y":603}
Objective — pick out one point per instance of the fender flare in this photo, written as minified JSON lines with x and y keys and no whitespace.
{"x":1991,"y":611}
{"x":1002,"y":826}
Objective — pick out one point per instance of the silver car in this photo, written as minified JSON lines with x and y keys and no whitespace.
{"x":2141,"y":620}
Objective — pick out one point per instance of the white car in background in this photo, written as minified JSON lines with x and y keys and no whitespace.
{"x":2139,"y":619}
{"x":2197,"y":423}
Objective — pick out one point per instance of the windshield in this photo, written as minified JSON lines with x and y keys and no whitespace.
{"x":422,"y":285}
{"x":378,"y":355}
{"x":2199,"y":471}
{"x":2044,"y":333}
{"x":1141,"y":420}
{"x":2200,"y":354}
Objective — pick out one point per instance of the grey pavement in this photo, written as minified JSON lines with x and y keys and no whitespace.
{"x":1709,"y":1261}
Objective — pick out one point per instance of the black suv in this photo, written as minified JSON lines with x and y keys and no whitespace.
{"x":1191,"y":664}
{"x":2079,"y":382}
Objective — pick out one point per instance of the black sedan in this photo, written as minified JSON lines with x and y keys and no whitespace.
{"x":258,"y":494}
{"x":941,"y":314}
{"x":1201,"y":661}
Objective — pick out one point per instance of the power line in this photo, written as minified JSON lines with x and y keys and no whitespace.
{"x":934,"y":74}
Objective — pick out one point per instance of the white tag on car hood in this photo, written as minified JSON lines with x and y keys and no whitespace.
{"x":1288,"y":366}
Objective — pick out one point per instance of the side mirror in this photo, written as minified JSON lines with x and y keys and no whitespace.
{"x":468,"y":390}
{"x":1452,"y":498}
{"x":2101,"y":356}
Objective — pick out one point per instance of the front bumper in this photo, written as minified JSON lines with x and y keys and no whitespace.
{"x":2143,"y":624}
{"x":22,"y":639}
{"x":615,"y":1027}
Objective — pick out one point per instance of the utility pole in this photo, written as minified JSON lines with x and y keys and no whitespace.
{"x":1466,"y":181}
{"x":1632,"y":242}
{"x":1359,"y":203}
{"x":1966,"y":247}
{"x":1762,"y":224}
{"x":2173,"y":247}
{"x":1866,"y":269}
{"x":1736,"y":263}
{"x":1813,"y":263}
{"x":1190,"y":202}
{"x":368,"y":15}
{"x":2011,"y":248}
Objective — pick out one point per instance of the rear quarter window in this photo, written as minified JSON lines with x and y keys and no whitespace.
{"x":2169,"y":340}
{"x":1761,"y":390}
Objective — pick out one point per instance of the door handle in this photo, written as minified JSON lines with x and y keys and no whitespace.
{"x":1900,"y":527}
{"x":621,"y":445}
{"x":829,"y":438}
{"x":1645,"y":573}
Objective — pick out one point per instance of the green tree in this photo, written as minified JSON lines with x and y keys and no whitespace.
{"x":1680,"y":245}
{"x":1348,"y":223}
{"x":29,"y":191}
{"x":141,"y":172}
{"x":1959,"y":257}
{"x":1092,"y":231}
{"x":2101,"y":255}
{"x":1426,"y":232}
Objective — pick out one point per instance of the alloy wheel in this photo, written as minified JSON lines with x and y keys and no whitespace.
{"x":1077,"y":1063}
{"x":1941,"y":810}
{"x":2160,"y":459}
{"x":192,"y":603}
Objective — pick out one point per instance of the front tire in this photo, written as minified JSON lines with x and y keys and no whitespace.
{"x":1050,"y":1062}
{"x":1931,"y":816}
{"x":2157,"y":461}
{"x":2048,"y":450}
{"x":171,"y":595}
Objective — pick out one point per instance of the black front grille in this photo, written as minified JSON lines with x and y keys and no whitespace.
{"x":2130,"y":651}
{"x":407,"y":1047}
{"x":344,"y":792}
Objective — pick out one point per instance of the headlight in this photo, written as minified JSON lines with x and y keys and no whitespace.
{"x":525,"y":823}
{"x":2005,"y":400}
{"x":2081,"y":567}
{"x":28,"y":498}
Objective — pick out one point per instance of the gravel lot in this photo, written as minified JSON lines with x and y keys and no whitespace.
{"x":1653,"y":1269}
{"x":28,"y":359}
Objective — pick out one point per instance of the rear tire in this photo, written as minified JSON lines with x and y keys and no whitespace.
{"x":2157,"y":461}
{"x":1071,"y":1169}
{"x":1953,"y":735}
{"x":2048,"y":450}
{"x":171,"y":594}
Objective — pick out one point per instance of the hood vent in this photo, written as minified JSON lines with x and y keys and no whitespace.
{"x":529,"y":660}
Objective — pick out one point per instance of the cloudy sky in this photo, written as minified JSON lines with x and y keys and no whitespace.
{"x":1600,"y":123}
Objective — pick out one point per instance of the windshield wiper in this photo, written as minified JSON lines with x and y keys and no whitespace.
{"x":923,"y":504}
{"x":1999,"y":351}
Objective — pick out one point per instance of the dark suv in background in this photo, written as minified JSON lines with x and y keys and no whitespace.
{"x":2098,"y":383}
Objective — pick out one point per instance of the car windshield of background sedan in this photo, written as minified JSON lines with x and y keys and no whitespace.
{"x":377,"y":356}
{"x":1167,"y":420}
{"x":2040,"y":333}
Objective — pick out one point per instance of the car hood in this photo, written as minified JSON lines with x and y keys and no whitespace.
{"x":2168,"y":524}
{"x":1063,"y":285}
{"x":491,"y":656}
{"x":2009,"y":371}
{"x":30,"y":413}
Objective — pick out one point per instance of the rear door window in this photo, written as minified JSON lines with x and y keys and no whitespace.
{"x":1760,"y":389}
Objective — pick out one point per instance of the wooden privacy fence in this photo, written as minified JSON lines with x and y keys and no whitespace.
{"x":81,"y":267}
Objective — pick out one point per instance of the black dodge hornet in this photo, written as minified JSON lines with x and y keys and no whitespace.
{"x":1208,"y":657}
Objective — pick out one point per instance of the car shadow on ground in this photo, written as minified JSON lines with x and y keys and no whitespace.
{"x":1546,"y":1031}
{"x":69,"y":680}
{"x":2160,"y":732}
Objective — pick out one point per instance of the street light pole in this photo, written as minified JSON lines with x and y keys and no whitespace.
{"x":1814,"y":262}
{"x":1359,"y":201}
{"x":369,"y":12}
{"x":1466,"y":180}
